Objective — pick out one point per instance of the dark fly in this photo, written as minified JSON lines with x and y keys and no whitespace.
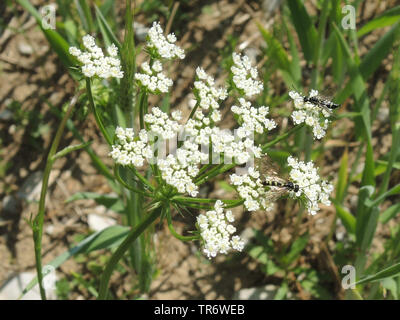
{"x":321,"y":102}
{"x":271,"y":178}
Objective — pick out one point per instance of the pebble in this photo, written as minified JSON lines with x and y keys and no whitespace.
{"x":266,"y":292}
{"x":12,"y":288}
{"x":25,"y":49}
{"x":98,"y":222}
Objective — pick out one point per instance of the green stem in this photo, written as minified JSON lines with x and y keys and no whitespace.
{"x":268,"y":145}
{"x":124,"y":246}
{"x":209,"y":172}
{"x":141,"y":178}
{"x":142,"y":109}
{"x":220,"y":170}
{"x":95,"y":113}
{"x":204,"y":168}
{"x":128,"y":58}
{"x":37,"y":225}
{"x":121,"y":181}
{"x":173,"y":232}
{"x":231,"y":203}
{"x":308,"y":146}
{"x":193,"y":111}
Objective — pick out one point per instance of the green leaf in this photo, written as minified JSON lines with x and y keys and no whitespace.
{"x":109,"y":238}
{"x":368,"y":177}
{"x":96,"y":161}
{"x":85,"y":15}
{"x":390,"y":213}
{"x":258,"y":253}
{"x":70,"y":149}
{"x":106,"y":30}
{"x":282,"y":291}
{"x":271,"y":268}
{"x":57,"y":42}
{"x":362,"y":212}
{"x":342,"y":179}
{"x":111,"y":202}
{"x":225,"y":186}
{"x":316,"y":290}
{"x":390,"y":272}
{"x":296,"y":248}
{"x":104,"y":239}
{"x":277,"y":52}
{"x":295,"y":66}
{"x":348,"y":220}
{"x":304,"y":28}
{"x":377,"y":201}
{"x":388,"y":18}
{"x":374,"y":57}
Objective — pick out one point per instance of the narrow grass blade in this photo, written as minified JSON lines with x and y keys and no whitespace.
{"x":390,"y":213}
{"x":57,"y":42}
{"x":390,"y":272}
{"x":304,"y":27}
{"x":85,"y":15}
{"x":103,"y":239}
{"x":388,"y":18}
{"x":373,"y":59}
{"x":363,"y":214}
{"x":106,"y":29}
{"x":277,"y":52}
{"x":348,"y":220}
{"x":342,"y":179}
{"x":70,"y":149}
{"x":113,"y":203}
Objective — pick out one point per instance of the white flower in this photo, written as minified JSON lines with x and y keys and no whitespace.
{"x":160,"y":124}
{"x":315,"y":190}
{"x":129,"y":149}
{"x":95,"y":63}
{"x":245,"y":76}
{"x":208,"y":96}
{"x":254,"y":119}
{"x":312,"y":115}
{"x":153,"y":78}
{"x":252,"y":190}
{"x":165,"y":47}
{"x":112,"y":50}
{"x":216,"y":231}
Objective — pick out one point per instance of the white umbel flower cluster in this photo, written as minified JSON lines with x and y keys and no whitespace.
{"x":160,"y":124}
{"x":131,"y":150}
{"x":180,"y":169}
{"x":95,"y":63}
{"x":208,"y":95}
{"x":306,"y":176}
{"x":254,"y":119}
{"x":222,"y":141}
{"x":165,"y":47}
{"x":216,"y":231}
{"x":251,"y":189}
{"x":153,"y":78}
{"x":312,"y":115}
{"x":245,"y":76}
